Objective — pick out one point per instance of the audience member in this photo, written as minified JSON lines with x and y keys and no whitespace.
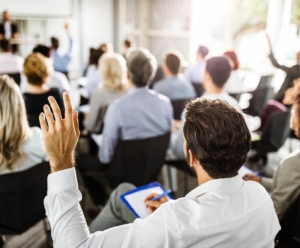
{"x":216,"y":74}
{"x":61,"y":61}
{"x":174,"y":86}
{"x":9,"y":30}
{"x":234,"y":84}
{"x":292,"y":73}
{"x":128,"y":43}
{"x":113,"y":70}
{"x":108,"y":47}
{"x":194,"y":74}
{"x":220,"y":212}
{"x":93,"y":76}
{"x":9,"y":62}
{"x":21,"y":147}
{"x":37,"y":73}
{"x":56,"y":79}
{"x":284,"y":187}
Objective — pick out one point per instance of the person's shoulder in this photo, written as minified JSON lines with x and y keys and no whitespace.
{"x":292,"y":159}
{"x":159,"y":96}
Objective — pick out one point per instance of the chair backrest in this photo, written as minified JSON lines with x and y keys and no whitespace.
{"x":260,"y":99}
{"x":198,"y":88}
{"x":138,"y":161}
{"x":15,"y":76}
{"x":98,"y":128}
{"x":290,"y":223}
{"x":178,"y":107}
{"x":265,"y":81}
{"x":33,"y":120}
{"x":277,"y":129}
{"x":22,"y":198}
{"x":236,"y":96}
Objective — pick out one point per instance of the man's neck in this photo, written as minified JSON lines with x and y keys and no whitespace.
{"x":202,"y":176}
{"x":213,"y":90}
{"x":169,"y":75}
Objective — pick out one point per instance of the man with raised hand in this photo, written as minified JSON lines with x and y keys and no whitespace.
{"x":223,"y":211}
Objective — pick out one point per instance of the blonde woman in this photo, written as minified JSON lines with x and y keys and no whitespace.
{"x":112,"y":68}
{"x":37,"y":73}
{"x":21,"y":147}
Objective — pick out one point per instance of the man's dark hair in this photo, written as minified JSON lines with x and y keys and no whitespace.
{"x":95,"y":55}
{"x":54,"y":42}
{"x":42,"y":49}
{"x":203,"y":50}
{"x":217,"y":135}
{"x":173,"y":62}
{"x":219,"y":69}
{"x":129,"y":42}
{"x":5,"y":45}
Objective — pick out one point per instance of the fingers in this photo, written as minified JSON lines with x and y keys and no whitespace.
{"x":55,"y":109}
{"x":153,"y":204}
{"x":76,"y":123}
{"x":149,"y":197}
{"x":43,"y":122}
{"x":68,"y":108}
{"x":49,"y":117}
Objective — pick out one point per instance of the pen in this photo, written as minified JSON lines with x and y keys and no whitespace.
{"x":161,"y":195}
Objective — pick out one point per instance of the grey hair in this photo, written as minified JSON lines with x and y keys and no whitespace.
{"x":141,"y":66}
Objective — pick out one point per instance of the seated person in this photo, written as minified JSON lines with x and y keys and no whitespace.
{"x":285,"y":186}
{"x":56,"y":79}
{"x":194,"y":73}
{"x":37,"y":73}
{"x":216,"y":74}
{"x":21,"y":146}
{"x":234,"y":84}
{"x":113,"y":69}
{"x":93,"y":76}
{"x":174,"y":86}
{"x":223,"y":211}
{"x":9,"y":62}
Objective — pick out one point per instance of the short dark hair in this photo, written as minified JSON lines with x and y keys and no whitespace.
{"x":5,"y":45}
{"x":141,"y":66}
{"x":129,"y":42}
{"x":203,"y":50}
{"x":219,"y":69}
{"x":42,"y":49}
{"x":54,"y":42}
{"x":173,"y":62}
{"x":95,"y":55}
{"x":217,"y":135}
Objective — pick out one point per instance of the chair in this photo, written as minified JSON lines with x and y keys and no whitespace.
{"x":15,"y":76}
{"x":259,"y":100}
{"x":275,"y":132}
{"x":198,"y":88}
{"x":22,"y":199}
{"x":98,"y":128}
{"x":265,"y":81}
{"x":178,"y":107}
{"x":236,"y":96}
{"x":289,"y":235}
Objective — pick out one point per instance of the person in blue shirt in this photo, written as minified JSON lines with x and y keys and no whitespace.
{"x":61,"y":61}
{"x":174,"y":86}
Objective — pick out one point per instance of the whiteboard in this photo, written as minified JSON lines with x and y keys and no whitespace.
{"x":39,"y":8}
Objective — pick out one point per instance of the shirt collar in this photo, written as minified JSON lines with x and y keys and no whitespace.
{"x":137,"y":89}
{"x":222,"y":184}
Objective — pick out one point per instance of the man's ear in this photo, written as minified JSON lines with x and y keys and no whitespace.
{"x":192,"y":157}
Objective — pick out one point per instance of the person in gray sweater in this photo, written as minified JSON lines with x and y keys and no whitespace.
{"x":285,"y":185}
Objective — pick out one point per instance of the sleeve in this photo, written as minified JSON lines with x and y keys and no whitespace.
{"x":95,"y":105}
{"x":111,"y":133}
{"x":276,"y":64}
{"x":286,"y":185}
{"x":2,"y":29}
{"x":267,"y":183}
{"x":69,"y":228}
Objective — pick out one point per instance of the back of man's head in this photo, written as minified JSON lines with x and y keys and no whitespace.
{"x":141,"y":66}
{"x":5,"y":45}
{"x":54,"y":42}
{"x":217,"y":135}
{"x":173,"y":62}
{"x":43,"y":50}
{"x":219,"y":70}
{"x":203,"y":51}
{"x":129,"y":42}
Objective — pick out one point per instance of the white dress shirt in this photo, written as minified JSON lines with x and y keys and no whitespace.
{"x":7,"y":27}
{"x":220,"y":213}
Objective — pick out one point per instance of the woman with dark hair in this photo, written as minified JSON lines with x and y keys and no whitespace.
{"x":234,"y":84}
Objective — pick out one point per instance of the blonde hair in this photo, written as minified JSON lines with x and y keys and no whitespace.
{"x":14,"y":128}
{"x":112,"y":68}
{"x":35,"y":69}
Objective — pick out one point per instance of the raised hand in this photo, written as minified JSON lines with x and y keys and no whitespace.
{"x":60,"y":136}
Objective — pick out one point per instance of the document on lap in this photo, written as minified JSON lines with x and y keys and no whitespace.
{"x":135,"y":199}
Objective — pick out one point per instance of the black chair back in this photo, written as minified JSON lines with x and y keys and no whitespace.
{"x":198,"y":88}
{"x":265,"y":82}
{"x":15,"y":76}
{"x":236,"y":96}
{"x":276,"y":130}
{"x":98,"y":128}
{"x":178,"y":107}
{"x":138,"y":161}
{"x":22,"y":199}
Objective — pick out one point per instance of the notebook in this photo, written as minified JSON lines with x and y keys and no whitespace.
{"x":134,"y":199}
